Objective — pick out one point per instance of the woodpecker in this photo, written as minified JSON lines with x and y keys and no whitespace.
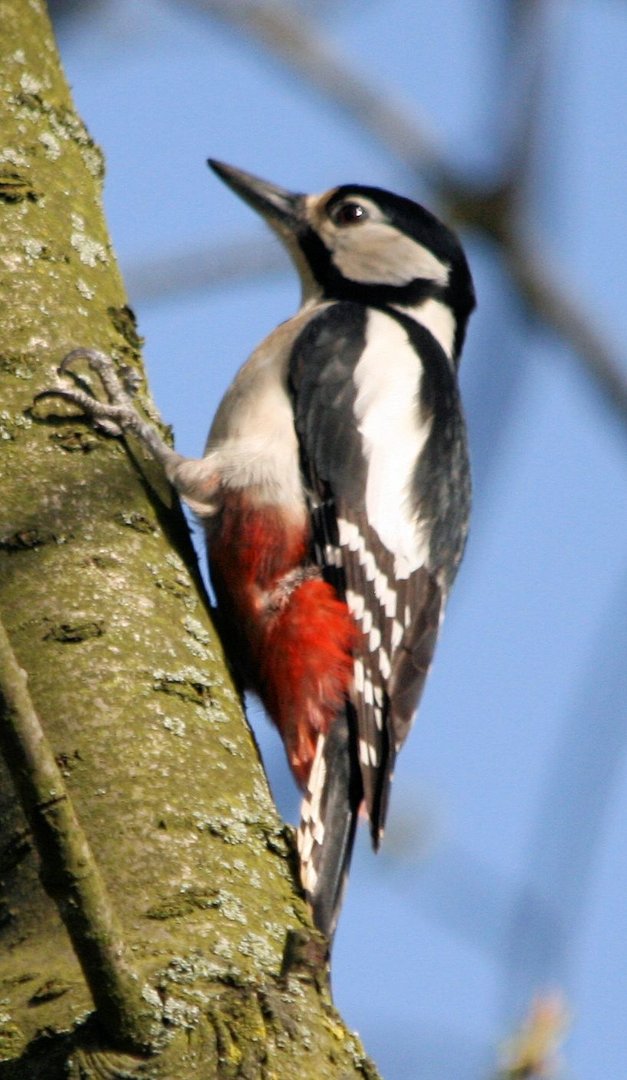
{"x":335,"y":495}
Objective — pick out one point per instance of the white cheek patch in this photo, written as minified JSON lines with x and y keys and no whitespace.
{"x":376,"y":253}
{"x":372,"y":251}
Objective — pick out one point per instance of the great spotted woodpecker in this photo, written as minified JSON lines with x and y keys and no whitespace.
{"x":335,"y":495}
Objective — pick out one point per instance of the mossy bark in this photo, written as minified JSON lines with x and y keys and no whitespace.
{"x":105,"y":611}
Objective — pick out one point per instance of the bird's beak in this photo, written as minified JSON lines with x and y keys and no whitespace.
{"x":280,"y":208}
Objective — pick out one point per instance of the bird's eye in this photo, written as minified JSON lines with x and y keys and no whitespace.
{"x":348,"y":213}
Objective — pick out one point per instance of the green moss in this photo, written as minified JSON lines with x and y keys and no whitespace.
{"x":124,"y":322}
{"x":48,"y":991}
{"x":78,"y":630}
{"x":135,"y":519}
{"x":125,"y":670}
{"x":12,"y":1038}
{"x":75,"y":440}
{"x":15,"y":188}
{"x":184,"y":902}
{"x":21,"y":365}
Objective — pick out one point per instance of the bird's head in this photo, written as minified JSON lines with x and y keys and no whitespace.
{"x":367,"y":245}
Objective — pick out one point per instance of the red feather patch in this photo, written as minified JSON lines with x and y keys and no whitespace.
{"x":294,"y":635}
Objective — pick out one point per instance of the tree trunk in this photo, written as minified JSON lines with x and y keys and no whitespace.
{"x":106,"y":614}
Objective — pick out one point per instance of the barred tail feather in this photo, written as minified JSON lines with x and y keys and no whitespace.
{"x":328,"y":821}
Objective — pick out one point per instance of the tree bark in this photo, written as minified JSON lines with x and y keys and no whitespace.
{"x":107,"y":618}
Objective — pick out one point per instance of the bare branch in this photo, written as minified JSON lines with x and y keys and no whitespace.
{"x":496,"y":210}
{"x":541,"y":286}
{"x":67,"y":867}
{"x":532,"y":1051}
{"x":528,"y":67}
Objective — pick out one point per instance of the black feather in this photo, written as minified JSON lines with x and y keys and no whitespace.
{"x":393,"y":664}
{"x":339,"y":803}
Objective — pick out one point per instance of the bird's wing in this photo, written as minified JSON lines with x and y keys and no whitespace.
{"x":391,"y":591}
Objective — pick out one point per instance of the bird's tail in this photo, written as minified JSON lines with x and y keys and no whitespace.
{"x":328,"y":820}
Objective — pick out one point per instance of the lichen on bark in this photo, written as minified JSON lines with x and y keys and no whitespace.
{"x":106,"y":613}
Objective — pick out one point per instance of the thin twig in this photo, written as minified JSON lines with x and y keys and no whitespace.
{"x":551,"y":301}
{"x":532,"y":1052}
{"x":541,"y":285}
{"x":67,"y":867}
{"x":528,"y":69}
{"x":299,"y":45}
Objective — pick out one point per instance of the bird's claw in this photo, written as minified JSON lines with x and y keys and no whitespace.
{"x":119,"y":388}
{"x":112,"y":417}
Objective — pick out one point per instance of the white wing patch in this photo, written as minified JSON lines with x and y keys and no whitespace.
{"x":387,"y":379}
{"x":351,"y":538}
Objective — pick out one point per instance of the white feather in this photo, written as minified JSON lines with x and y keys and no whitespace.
{"x":252,"y":438}
{"x":387,"y":410}
{"x":376,"y":251}
{"x":438,"y":319}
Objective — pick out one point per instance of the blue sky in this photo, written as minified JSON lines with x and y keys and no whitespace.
{"x":504,"y":871}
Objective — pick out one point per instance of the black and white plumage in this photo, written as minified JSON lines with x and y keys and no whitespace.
{"x":335,"y":494}
{"x":382,"y":440}
{"x":373,"y":380}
